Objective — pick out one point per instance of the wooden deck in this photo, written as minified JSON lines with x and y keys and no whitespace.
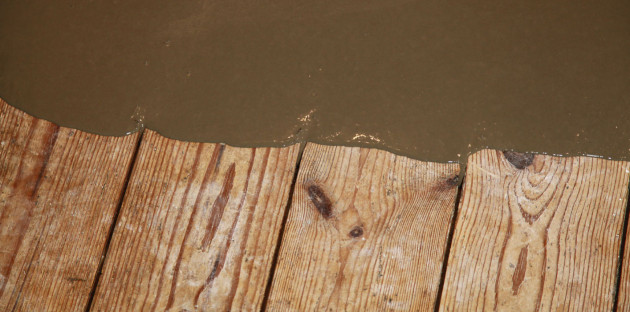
{"x":146,"y":223}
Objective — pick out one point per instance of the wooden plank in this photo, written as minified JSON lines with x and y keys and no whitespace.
{"x":536,"y":233}
{"x":59,"y":191}
{"x":366,"y":231}
{"x":198,"y":227}
{"x":623,"y":304}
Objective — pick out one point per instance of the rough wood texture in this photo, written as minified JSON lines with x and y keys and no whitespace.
{"x":623,"y":305}
{"x":198,"y":227}
{"x":536,"y":233}
{"x":366,"y":231}
{"x":59,"y":190}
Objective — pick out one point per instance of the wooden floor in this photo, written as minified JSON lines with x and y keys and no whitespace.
{"x":146,"y":223}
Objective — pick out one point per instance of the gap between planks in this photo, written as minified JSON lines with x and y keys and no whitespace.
{"x":99,"y":272}
{"x":274,"y":262}
{"x":449,"y":240}
{"x":620,"y":269}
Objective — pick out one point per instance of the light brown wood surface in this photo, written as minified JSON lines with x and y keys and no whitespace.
{"x":623,"y":304}
{"x":536,"y":233}
{"x":198,"y":227}
{"x":366,"y":231}
{"x":59,"y":191}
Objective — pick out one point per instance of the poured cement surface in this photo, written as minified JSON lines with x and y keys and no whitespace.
{"x":428,"y":79}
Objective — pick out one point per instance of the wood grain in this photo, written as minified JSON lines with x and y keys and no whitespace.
{"x":536,"y":233}
{"x":59,"y":191}
{"x":366,"y":231}
{"x":198,"y":227}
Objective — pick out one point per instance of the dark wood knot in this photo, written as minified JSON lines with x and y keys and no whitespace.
{"x":452,"y":181}
{"x":357,"y":231}
{"x":447,"y":183}
{"x":320,"y":200}
{"x":519,"y":160}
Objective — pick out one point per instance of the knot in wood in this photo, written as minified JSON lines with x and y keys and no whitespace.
{"x":447,"y":183}
{"x":519,"y":160}
{"x":356,"y":231}
{"x":452,"y":181}
{"x":320,"y":200}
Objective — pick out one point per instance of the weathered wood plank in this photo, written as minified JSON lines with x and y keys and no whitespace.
{"x":366,"y":231}
{"x":198,"y":227}
{"x":623,"y":304}
{"x":59,"y":191}
{"x":536,"y":233}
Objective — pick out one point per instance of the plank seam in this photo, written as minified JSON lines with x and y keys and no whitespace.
{"x":274,"y":261}
{"x":110,"y":234}
{"x":449,"y":241}
{"x":624,"y":237}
